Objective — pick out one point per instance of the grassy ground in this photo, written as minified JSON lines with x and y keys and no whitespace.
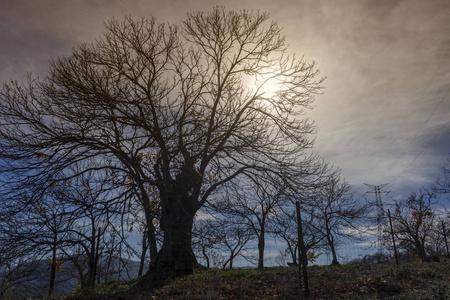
{"x":409,"y":281}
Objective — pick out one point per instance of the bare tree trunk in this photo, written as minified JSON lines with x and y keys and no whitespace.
{"x":53,"y":270}
{"x":176,"y":255}
{"x":206,"y":257}
{"x":330,"y":239}
{"x":97,"y":249}
{"x":293,"y":251}
{"x":90,"y":284}
{"x":335,"y":261}
{"x":108,"y":267}
{"x":151,"y":230}
{"x":144,"y":251}
{"x":421,"y":250}
{"x":261,"y":244}
{"x":151,"y":233}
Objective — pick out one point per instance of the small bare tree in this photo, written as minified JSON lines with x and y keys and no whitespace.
{"x":234,"y":241}
{"x":336,"y":212}
{"x":38,"y":230}
{"x":414,"y":223}
{"x":205,"y":239}
{"x":284,"y":226}
{"x":253,"y":204}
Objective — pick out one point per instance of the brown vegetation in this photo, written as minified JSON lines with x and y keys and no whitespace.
{"x":385,"y":281}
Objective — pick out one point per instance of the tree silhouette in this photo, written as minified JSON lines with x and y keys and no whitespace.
{"x":285,"y":227}
{"x":336,"y":212}
{"x":172,"y":110}
{"x":252,"y":205}
{"x":414,"y":223}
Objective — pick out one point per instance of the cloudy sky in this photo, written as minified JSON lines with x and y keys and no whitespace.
{"x":384,"y":114}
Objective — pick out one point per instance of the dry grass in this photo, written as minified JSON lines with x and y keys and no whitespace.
{"x":409,"y":281}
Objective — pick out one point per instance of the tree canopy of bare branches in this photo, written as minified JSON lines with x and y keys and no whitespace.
{"x":336,"y":213}
{"x":414,"y":224}
{"x":174,"y":111}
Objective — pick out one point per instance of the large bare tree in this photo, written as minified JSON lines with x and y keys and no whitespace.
{"x":175,"y":110}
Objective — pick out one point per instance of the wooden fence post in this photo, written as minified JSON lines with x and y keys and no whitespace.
{"x":445,"y":239}
{"x":393,"y":239}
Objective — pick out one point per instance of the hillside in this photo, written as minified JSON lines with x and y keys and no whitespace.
{"x":409,"y":281}
{"x":35,"y":283}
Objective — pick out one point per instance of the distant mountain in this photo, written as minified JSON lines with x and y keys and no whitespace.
{"x":35,"y":283}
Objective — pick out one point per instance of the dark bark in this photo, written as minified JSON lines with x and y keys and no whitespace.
{"x":335,"y":261}
{"x":90,"y":282}
{"x":91,"y":262}
{"x":261,"y":245}
{"x":330,"y":239}
{"x":143,"y":252}
{"x":53,"y":270}
{"x":153,"y":248}
{"x":233,"y":254}
{"x":108,"y":267}
{"x":205,"y":255}
{"x":420,"y":248}
{"x":178,"y":202}
{"x":176,"y":253}
{"x":97,"y":249}
{"x":151,"y":230}
{"x":293,"y":251}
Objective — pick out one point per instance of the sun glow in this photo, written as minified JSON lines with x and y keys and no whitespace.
{"x":266,"y":87}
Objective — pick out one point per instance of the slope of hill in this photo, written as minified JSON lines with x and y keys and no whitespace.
{"x":35,"y":283}
{"x":381,"y":281}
